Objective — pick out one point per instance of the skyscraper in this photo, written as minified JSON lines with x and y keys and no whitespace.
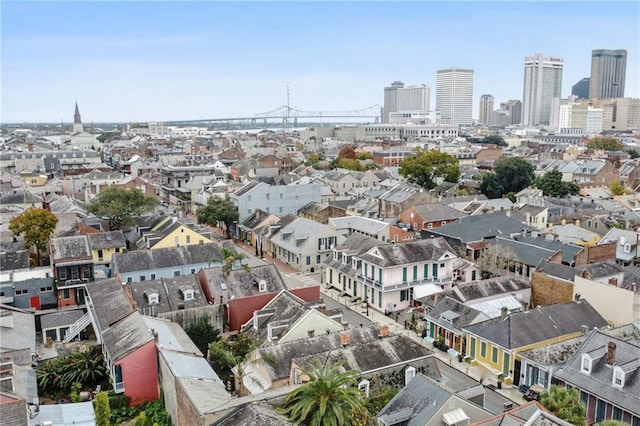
{"x":581,"y":89}
{"x":486,"y":109}
{"x":514,"y":107}
{"x":608,"y":73}
{"x":454,"y":95}
{"x":391,"y":99}
{"x":542,"y":83}
{"x":397,"y":98}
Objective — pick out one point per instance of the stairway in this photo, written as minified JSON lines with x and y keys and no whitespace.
{"x":77,"y":327}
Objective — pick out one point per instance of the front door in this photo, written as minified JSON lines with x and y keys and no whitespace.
{"x":435,"y":271}
{"x":34,"y":302}
{"x":516,"y":372}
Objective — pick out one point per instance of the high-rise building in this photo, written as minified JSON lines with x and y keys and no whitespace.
{"x":391,"y":100}
{"x":413,"y":98}
{"x":398,"y":98}
{"x":514,"y":107}
{"x":608,"y":73}
{"x":454,"y":95}
{"x":486,"y":109}
{"x":542,"y":83}
{"x":581,"y":89}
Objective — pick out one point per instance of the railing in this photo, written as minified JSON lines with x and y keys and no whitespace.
{"x":74,"y":282}
{"x":412,"y":283}
{"x":77,"y":327}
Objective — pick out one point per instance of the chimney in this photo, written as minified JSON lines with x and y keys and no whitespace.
{"x":345,"y":339}
{"x":633,"y":287}
{"x":506,"y":406}
{"x":504,"y":313}
{"x":345,"y":326}
{"x":576,"y":297}
{"x":562,"y":355}
{"x":578,"y":222}
{"x":611,"y":353}
{"x":584,"y":329}
{"x":311,"y":333}
{"x":384,"y":331}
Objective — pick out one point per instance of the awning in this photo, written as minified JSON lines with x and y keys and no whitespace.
{"x":425,"y":290}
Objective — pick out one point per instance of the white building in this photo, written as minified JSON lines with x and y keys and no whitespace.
{"x":542,"y":83}
{"x":454,"y":95}
{"x":414,"y":98}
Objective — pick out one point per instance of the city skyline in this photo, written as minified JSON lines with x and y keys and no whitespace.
{"x":156,"y":61}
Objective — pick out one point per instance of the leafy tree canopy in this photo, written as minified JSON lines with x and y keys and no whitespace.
{"x":552,"y":185}
{"x":218,"y":210}
{"x":607,"y":144}
{"x":37,"y":226}
{"x":493,"y":139}
{"x":512,"y":174}
{"x":426,"y":166}
{"x":565,"y":403}
{"x":617,"y":188}
{"x":202,"y":333}
{"x":121,"y":206}
{"x":365,"y":156}
{"x":349,"y":164}
{"x":347,"y":152}
{"x":633,"y":153}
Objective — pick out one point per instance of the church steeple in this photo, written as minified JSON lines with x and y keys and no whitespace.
{"x":77,"y":122}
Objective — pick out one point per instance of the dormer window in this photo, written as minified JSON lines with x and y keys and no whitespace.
{"x":409,"y":374}
{"x":154,"y":298}
{"x":189,"y":294}
{"x":627,"y":248}
{"x":364,"y":387}
{"x":585,"y":365}
{"x":618,"y":377}
{"x":262,"y":286}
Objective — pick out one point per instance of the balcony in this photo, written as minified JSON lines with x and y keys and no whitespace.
{"x":72,"y":283}
{"x":404,"y":285}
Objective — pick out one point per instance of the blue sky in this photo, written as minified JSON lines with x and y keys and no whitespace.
{"x":143,"y":61}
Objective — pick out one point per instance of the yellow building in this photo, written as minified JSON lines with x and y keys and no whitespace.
{"x":173,"y":233}
{"x":34,"y":179}
{"x":105,"y":244}
{"x":496,"y":344}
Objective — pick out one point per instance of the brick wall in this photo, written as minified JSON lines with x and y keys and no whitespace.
{"x":547,"y":290}
{"x":13,"y":411}
{"x":187,"y":413}
{"x":596,"y":254}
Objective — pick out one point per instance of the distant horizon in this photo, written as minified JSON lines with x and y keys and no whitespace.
{"x":178,"y":61}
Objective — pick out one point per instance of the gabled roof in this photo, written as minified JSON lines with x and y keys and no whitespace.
{"x":125,"y":336}
{"x":67,"y":248}
{"x":142,"y":260}
{"x":110,"y":301}
{"x":242,"y":283}
{"x":171,"y":294}
{"x":599,"y":381}
{"x":256,"y":413}
{"x":536,"y":325}
{"x":386,"y":255}
{"x":415,"y":404}
{"x":557,"y":270}
{"x":399,"y":193}
{"x":475,"y":228}
{"x":105,"y":240}
{"x":10,"y":260}
{"x":438,"y":212}
{"x":284,"y":309}
{"x":358,"y":223}
{"x":451,"y":313}
{"x":526,"y":253}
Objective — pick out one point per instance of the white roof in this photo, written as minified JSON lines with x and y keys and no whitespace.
{"x":454,"y":417}
{"x":492,"y":308}
{"x":77,"y":414}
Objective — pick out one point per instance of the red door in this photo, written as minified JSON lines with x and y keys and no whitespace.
{"x":34,"y":302}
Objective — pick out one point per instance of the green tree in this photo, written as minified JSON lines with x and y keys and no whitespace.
{"x":552,"y":185}
{"x":225,"y":354}
{"x":426,"y":166}
{"x":617,"y":188}
{"x":513,"y":174}
{"x":607,"y":144}
{"x":565,"y":404}
{"x":121,"y":206}
{"x":313,"y":159}
{"x":202,"y":333}
{"x":491,"y":186}
{"x":59,"y":375}
{"x":218,"y":211}
{"x":37,"y":225}
{"x":101,"y":408}
{"x":331,"y":397}
{"x":364,"y":156}
{"x":493,"y":139}
{"x":633,"y":153}
{"x":349,"y":164}
{"x":612,"y":423}
{"x":229,"y":261}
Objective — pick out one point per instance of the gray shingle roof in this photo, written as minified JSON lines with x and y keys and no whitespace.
{"x":65,"y":248}
{"x":406,"y":253}
{"x":415,"y":404}
{"x":599,"y":381}
{"x":170,"y":292}
{"x":241,"y":283}
{"x":141,"y":260}
{"x":557,"y":270}
{"x":105,"y":240}
{"x":438,"y":212}
{"x":125,"y":336}
{"x":539,"y":324}
{"x":10,"y":260}
{"x":110,"y":302}
{"x":475,"y":228}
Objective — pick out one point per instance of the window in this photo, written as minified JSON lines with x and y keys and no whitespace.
{"x":66,"y":294}
{"x":20,"y":292}
{"x":100,"y":255}
{"x":494,"y":355}
{"x":404,"y":295}
{"x":585,"y":365}
{"x":281,"y":197}
{"x":308,"y":260}
{"x":444,"y":222}
{"x":483,"y":349}
{"x":297,"y":374}
{"x":62,"y":274}
{"x":409,"y":374}
{"x":267,"y":196}
{"x":430,"y":225}
{"x":364,"y":387}
{"x":129,"y":279}
{"x":176,"y":241}
{"x":617,"y":413}
{"x":153,"y":276}
{"x":154,"y":298}
{"x":176,"y":273}
{"x":279,"y":209}
{"x":318,"y":259}
{"x":248,"y":197}
{"x":46,"y":289}
{"x":117,"y":249}
{"x":618,"y":377}
{"x":627,"y":248}
{"x":142,"y":278}
{"x":188,"y":239}
{"x":189,"y":295}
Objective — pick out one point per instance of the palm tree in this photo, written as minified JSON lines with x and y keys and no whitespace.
{"x":229,"y":259}
{"x":565,"y":403}
{"x":330,"y":397}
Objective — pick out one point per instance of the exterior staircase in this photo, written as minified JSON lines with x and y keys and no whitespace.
{"x":77,"y":327}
